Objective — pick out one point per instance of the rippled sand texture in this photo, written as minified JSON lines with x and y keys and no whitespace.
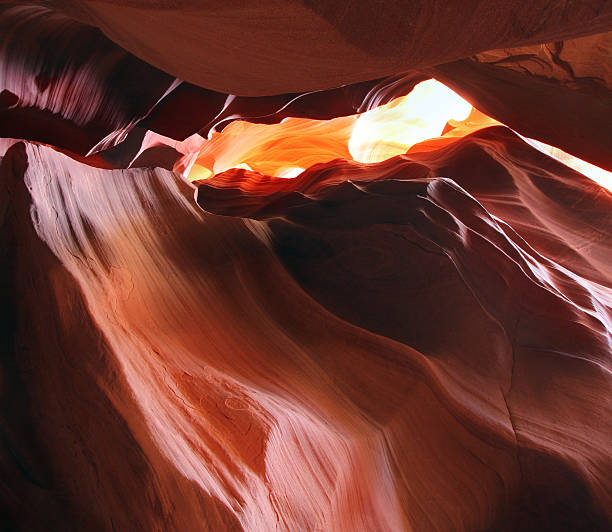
{"x":422,"y":343}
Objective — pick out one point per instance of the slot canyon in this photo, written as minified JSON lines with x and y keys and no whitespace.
{"x":283,"y":265}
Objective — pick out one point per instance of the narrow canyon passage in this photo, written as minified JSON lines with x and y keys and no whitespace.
{"x":378,"y":305}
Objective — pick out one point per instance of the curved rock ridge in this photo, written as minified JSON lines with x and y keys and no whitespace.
{"x":65,"y":84}
{"x":559,"y":93}
{"x":189,"y":109}
{"x":422,"y":343}
{"x":285,"y":46}
{"x":76,"y":454}
{"x":528,"y":238}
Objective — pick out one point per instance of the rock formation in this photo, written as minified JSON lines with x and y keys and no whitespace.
{"x":292,"y":339}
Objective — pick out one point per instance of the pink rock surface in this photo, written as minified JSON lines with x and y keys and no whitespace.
{"x":65,"y":84}
{"x":423,"y":343}
{"x":366,"y":347}
{"x":284,"y":46}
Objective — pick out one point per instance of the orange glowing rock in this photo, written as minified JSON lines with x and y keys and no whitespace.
{"x":272,"y":149}
{"x":429,"y":111}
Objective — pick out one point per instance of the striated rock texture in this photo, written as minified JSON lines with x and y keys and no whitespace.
{"x":422,"y":343}
{"x":65,"y":84}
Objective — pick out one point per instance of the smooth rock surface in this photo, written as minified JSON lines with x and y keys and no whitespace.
{"x":408,"y":345}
